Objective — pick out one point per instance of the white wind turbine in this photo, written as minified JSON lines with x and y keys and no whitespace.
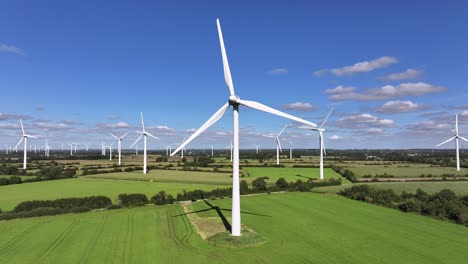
{"x":456,"y":137}
{"x":235,"y":102}
{"x":230,"y":147}
{"x":6,"y":149}
{"x":46,"y":149}
{"x":278,"y":143}
{"x":119,"y":144}
{"x":321,"y":142}
{"x":110,"y":150}
{"x":25,"y":139}
{"x":256,"y":148}
{"x":71,"y":149}
{"x":144,"y":133}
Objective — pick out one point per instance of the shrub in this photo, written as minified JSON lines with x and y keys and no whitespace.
{"x":113,"y":207}
{"x":129,"y":169}
{"x":244,"y":187}
{"x":282,"y":183}
{"x":4,"y":181}
{"x":15,"y":180}
{"x":79,"y":209}
{"x":161,"y":198}
{"x":42,"y":211}
{"x":93,"y":202}
{"x":133,"y":199}
{"x":259,"y":184}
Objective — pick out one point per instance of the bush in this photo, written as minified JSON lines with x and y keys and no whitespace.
{"x":133,"y":199}
{"x":129,"y":169}
{"x":4,"y":181}
{"x":15,"y":180}
{"x":80,"y":209}
{"x":93,"y":202}
{"x":113,"y":207}
{"x":42,"y":211}
{"x":161,"y":198}
{"x":259,"y":184}
{"x":244,"y":187}
{"x":282,"y":183}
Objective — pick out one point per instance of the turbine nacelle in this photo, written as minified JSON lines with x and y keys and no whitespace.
{"x":233,"y":100}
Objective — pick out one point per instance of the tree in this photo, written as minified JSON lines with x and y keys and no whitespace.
{"x":282,"y":183}
{"x":15,"y":180}
{"x":4,"y":181}
{"x":244,"y":187}
{"x":259,"y":184}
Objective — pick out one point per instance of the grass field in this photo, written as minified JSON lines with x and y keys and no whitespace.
{"x":297,"y":227}
{"x":291,"y":174}
{"x":170,"y":176}
{"x":459,"y":187}
{"x":361,"y":168}
{"x":11,"y":195}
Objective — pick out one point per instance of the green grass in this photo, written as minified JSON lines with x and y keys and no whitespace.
{"x":291,"y":174}
{"x":170,"y":176}
{"x":459,"y":187}
{"x":11,"y":195}
{"x":361,"y":168}
{"x":297,"y":227}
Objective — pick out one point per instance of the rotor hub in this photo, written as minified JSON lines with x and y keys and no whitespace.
{"x":233,"y":100}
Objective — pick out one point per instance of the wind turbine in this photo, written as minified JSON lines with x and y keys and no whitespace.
{"x":144,"y":133}
{"x":46,"y":149}
{"x":256,"y":148}
{"x":211,"y":151}
{"x":119,"y":144}
{"x":235,"y":102}
{"x":25,"y":138}
{"x":71,"y":149}
{"x":230,"y":147}
{"x":110,"y":150}
{"x":6,"y":149}
{"x":278,"y":143}
{"x":456,"y":137}
{"x":321,"y":142}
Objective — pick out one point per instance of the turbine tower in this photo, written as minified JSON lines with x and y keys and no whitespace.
{"x":25,"y":139}
{"x":71,"y":149}
{"x":456,"y":137}
{"x":321,"y":130}
{"x":119,"y":144}
{"x":143,"y":134}
{"x":230,"y":147}
{"x":235,"y":102}
{"x":278,"y":143}
{"x":110,"y":150}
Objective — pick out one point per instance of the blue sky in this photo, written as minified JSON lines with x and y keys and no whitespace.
{"x":74,"y":71}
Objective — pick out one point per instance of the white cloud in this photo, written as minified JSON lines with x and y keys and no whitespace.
{"x":4,"y":116}
{"x":320,"y":73}
{"x":393,"y":107}
{"x":113,"y":117}
{"x":340,"y":90}
{"x":113,"y":126}
{"x":335,"y":137}
{"x":464,"y":113}
{"x":71,"y":122}
{"x":374,"y":130}
{"x":365,"y":66}
{"x":299,"y":106}
{"x":50,"y":126}
{"x":278,"y":71}
{"x":362,"y":121}
{"x":406,"y":75}
{"x":11,"y":49}
{"x":388,"y":92}
{"x":429,"y":126}
{"x":10,"y":126}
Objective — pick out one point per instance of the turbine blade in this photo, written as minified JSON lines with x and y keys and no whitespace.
{"x":138,"y":139}
{"x":325,"y":120}
{"x":22,"y":128}
{"x":456,"y":125}
{"x":113,"y":135}
{"x":21,"y":140}
{"x":323,"y":147}
{"x":227,"y":71}
{"x":152,"y":136}
{"x":142,"y":123}
{"x":463,"y":138}
{"x":213,"y":119}
{"x":281,"y":132}
{"x":268,"y":136}
{"x":279,"y":144}
{"x":446,"y":141}
{"x":124,"y":135}
{"x":264,"y":108}
{"x":31,"y":136}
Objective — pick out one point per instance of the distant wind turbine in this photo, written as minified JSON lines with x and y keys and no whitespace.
{"x":119,"y":144}
{"x":235,"y":102}
{"x":143,"y":134}
{"x":230,"y":147}
{"x":25,"y":139}
{"x":256,"y":148}
{"x":278,"y":143}
{"x":456,"y":137}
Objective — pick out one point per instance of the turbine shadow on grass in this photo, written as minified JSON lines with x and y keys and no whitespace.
{"x":219,"y":210}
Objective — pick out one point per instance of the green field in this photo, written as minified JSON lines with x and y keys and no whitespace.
{"x":361,"y":168}
{"x":297,"y":227}
{"x":291,"y":174}
{"x":11,"y":195}
{"x":459,"y":187}
{"x":170,"y":176}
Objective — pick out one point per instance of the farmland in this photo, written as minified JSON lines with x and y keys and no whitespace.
{"x":290,"y":174}
{"x":331,"y":229}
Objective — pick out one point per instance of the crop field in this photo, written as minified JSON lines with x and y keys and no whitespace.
{"x":297,"y":227}
{"x":11,"y":195}
{"x":459,"y":187}
{"x":197,"y":177}
{"x":291,"y":174}
{"x":361,"y":168}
